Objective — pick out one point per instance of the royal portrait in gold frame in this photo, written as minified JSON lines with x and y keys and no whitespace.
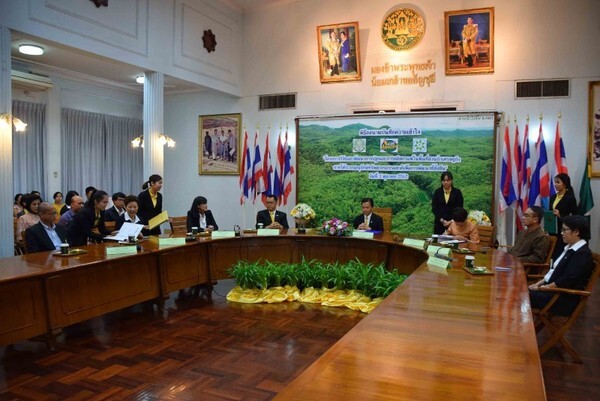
{"x":219,"y":144}
{"x":469,"y":37}
{"x":594,"y":128}
{"x":339,"y":52}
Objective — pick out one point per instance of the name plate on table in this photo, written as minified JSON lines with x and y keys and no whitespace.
{"x":433,"y":250}
{"x":439,"y":263}
{"x":362,"y":234}
{"x":414,"y":243}
{"x":267,"y":231}
{"x":167,"y":241}
{"x":223,"y":234}
{"x":121,"y":250}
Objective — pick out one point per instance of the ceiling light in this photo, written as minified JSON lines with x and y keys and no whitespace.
{"x":31,"y":50}
{"x":140,"y":79}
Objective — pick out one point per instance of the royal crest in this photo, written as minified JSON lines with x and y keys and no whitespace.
{"x":403,"y":29}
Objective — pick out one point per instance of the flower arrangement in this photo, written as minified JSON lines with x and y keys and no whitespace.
{"x":335,"y":226}
{"x":479,"y":217}
{"x":303,"y":212}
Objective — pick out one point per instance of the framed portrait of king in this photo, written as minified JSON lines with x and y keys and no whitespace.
{"x":219,"y":144}
{"x":339,"y":53}
{"x":469,"y":36}
{"x":594,"y":128}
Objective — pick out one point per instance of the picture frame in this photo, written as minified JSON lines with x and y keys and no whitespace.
{"x":338,"y":49}
{"x":469,"y":41}
{"x":219,"y":138}
{"x":594,"y":128}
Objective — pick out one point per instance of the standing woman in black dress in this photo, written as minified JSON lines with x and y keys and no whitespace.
{"x":150,"y":201}
{"x":443,"y":202}
{"x":562,"y":203}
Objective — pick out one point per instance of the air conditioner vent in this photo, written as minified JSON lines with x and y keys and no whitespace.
{"x":281,"y":101}
{"x":29,"y":81}
{"x":542,"y":88}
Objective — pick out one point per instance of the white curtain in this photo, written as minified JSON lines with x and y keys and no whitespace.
{"x":97,"y":151}
{"x":28,"y":148}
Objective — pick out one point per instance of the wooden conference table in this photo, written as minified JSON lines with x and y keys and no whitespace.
{"x":443,"y":334}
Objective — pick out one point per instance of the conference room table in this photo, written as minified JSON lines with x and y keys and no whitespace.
{"x":442,"y":334}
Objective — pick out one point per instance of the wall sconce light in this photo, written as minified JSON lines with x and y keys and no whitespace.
{"x":138,"y":142}
{"x":162,"y":139}
{"x":5,"y":118}
{"x":140,"y":79}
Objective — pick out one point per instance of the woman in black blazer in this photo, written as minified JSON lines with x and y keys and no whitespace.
{"x":442,"y":209}
{"x":150,"y":201}
{"x":90,"y":217}
{"x":131,"y":215}
{"x":562,"y":204}
{"x":572,"y":270}
{"x":198,"y":211}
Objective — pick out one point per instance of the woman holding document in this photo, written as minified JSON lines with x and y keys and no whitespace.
{"x":150,"y":201}
{"x":131,"y":215}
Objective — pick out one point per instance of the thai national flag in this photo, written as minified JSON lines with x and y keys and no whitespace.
{"x":267,"y":170}
{"x":279,"y":170}
{"x":525,"y":177}
{"x":560,"y":159}
{"x":288,"y":170}
{"x":245,"y":178}
{"x":540,"y":180}
{"x":257,"y":171}
{"x":508,"y":193}
{"x":517,"y":176}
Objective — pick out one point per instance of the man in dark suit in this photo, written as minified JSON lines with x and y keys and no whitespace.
{"x":270,"y":217}
{"x":117,"y":209}
{"x":368,"y":220}
{"x":45,"y":235}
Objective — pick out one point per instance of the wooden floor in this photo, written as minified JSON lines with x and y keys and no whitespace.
{"x":222,"y":351}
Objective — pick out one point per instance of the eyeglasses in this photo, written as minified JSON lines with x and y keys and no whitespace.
{"x":528,"y":215}
{"x":564,"y":230}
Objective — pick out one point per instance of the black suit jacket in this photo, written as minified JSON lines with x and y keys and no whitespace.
{"x":38,"y":240}
{"x":265,"y":218}
{"x":193,"y":220}
{"x":376,"y":222}
{"x":147,"y":210}
{"x":111,"y":214}
{"x":443,"y":210}
{"x":566,"y":206}
{"x":80,"y":228}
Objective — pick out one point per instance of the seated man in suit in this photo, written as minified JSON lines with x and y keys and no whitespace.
{"x":270,"y":217}
{"x":531,"y":244}
{"x":368,"y":220}
{"x":117,"y":209}
{"x":76,"y":205}
{"x":45,"y":235}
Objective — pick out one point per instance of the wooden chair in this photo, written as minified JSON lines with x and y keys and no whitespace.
{"x":535,"y":271}
{"x":558,"y":325}
{"x":486,"y":235}
{"x":18,"y":248}
{"x":110,"y":225}
{"x":386,"y":215}
{"x":178,"y":225}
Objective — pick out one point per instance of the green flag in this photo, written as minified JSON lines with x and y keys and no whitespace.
{"x":586,"y":199}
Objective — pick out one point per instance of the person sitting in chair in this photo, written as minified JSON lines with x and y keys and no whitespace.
{"x":368,"y":220}
{"x":270,"y":217}
{"x":572,"y":269}
{"x":531,"y":244}
{"x":45,"y":235}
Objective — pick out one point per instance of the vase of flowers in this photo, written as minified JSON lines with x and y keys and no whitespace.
{"x":479,"y":218}
{"x":302,"y":214}
{"x":335,"y":227}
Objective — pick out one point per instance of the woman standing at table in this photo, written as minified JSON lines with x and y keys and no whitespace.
{"x":88,"y":223}
{"x":562,"y":203}
{"x":150,"y":201}
{"x":445,"y":199}
{"x":199,"y":216}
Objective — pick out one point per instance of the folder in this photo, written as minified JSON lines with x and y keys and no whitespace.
{"x":158,"y":220}
{"x":550,"y":222}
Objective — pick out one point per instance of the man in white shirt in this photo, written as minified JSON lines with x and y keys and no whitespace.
{"x":45,"y":235}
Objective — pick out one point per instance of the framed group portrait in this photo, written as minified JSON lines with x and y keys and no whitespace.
{"x":219,"y":144}
{"x":469,"y":36}
{"x":339,"y":54}
{"x":594,"y":128}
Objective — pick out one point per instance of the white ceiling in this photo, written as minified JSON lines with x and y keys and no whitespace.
{"x":71,"y":63}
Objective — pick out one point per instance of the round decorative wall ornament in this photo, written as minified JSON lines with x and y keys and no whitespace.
{"x":403,"y":29}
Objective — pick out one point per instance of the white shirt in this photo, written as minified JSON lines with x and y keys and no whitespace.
{"x":128,"y":218}
{"x":56,"y":241}
{"x":575,"y":247}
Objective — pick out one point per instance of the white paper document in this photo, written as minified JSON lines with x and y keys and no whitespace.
{"x":127,"y":230}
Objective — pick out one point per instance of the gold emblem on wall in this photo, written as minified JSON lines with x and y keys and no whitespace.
{"x":403,"y":29}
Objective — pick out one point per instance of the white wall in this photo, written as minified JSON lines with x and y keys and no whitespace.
{"x":538,"y":39}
